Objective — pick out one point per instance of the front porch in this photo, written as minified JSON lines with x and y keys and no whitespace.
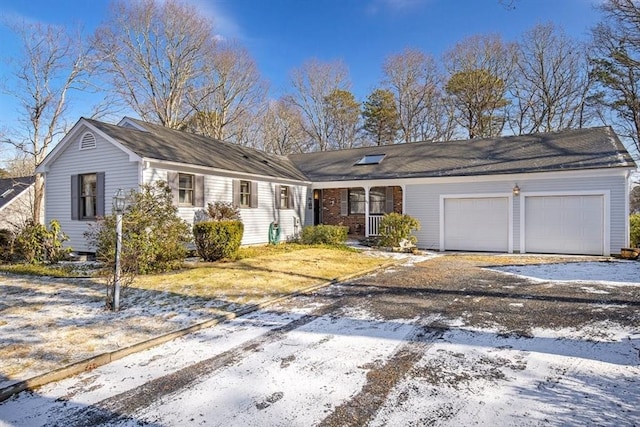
{"x":359,"y":208}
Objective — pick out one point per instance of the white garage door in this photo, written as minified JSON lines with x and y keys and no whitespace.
{"x":564,"y":224}
{"x":476,"y":224}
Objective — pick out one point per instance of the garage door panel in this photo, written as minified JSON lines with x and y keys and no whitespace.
{"x":476,"y":224}
{"x":564,"y":224}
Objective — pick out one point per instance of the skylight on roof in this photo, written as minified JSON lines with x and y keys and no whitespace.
{"x":371,"y":159}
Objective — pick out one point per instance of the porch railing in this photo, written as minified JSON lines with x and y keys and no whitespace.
{"x":374,"y":225}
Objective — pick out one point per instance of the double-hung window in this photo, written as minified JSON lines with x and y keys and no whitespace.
{"x":185,"y":189}
{"x":284,"y":196}
{"x":88,"y":196}
{"x":356,"y":201}
{"x":245,"y":194}
{"x":377,"y":200}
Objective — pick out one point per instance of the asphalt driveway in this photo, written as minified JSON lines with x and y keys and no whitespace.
{"x":444,"y":342}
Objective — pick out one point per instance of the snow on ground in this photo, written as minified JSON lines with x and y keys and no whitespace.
{"x":609,"y":272}
{"x":586,"y":376}
{"x":471,"y":377}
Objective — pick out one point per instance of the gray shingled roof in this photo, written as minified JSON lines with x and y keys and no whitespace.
{"x":557,"y":151}
{"x":161,"y":143}
{"x":18,"y":185}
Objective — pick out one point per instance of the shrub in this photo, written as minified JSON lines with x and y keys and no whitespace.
{"x":222,"y":211}
{"x":36,"y":244}
{"x":218,"y":239}
{"x":154,"y":237}
{"x":324,"y":234}
{"x":634,"y":222}
{"x":7,"y":239}
{"x":395,"y":230}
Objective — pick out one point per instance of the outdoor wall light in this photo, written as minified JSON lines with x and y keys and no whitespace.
{"x":516,"y":190}
{"x":118,"y":201}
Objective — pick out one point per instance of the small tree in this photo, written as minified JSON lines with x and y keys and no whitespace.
{"x":395,"y":230}
{"x":154,"y":237}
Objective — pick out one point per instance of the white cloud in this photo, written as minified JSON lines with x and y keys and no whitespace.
{"x":381,"y":6}
{"x":225,"y":25}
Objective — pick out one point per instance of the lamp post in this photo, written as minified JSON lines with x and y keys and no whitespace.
{"x":118,"y":206}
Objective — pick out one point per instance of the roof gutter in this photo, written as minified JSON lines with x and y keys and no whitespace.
{"x":172,"y":165}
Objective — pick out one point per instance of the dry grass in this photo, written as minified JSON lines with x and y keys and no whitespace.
{"x":261,"y":277}
{"x":47,"y":323}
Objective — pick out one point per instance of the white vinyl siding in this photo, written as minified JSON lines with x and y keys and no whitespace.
{"x":256,"y":220}
{"x":422,"y":201}
{"x":105,"y":157}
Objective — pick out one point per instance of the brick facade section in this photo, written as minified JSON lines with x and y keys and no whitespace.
{"x":330,"y":206}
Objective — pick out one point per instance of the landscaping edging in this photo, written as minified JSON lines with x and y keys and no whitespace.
{"x":105,"y":358}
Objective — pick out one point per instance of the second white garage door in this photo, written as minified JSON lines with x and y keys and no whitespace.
{"x":564,"y":224}
{"x":476,"y":224}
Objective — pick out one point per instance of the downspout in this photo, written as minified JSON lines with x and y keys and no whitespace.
{"x":366,"y":211}
{"x":404,"y":198}
{"x":627,"y":189}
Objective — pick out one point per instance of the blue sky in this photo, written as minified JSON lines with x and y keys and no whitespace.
{"x":282,"y":34}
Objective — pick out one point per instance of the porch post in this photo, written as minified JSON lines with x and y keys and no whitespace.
{"x":404,"y":198}
{"x":366,"y":211}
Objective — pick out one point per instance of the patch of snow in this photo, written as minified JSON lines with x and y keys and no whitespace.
{"x":609,"y":272}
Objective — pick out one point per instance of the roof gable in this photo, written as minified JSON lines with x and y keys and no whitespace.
{"x":81,"y":127}
{"x":12,"y":188}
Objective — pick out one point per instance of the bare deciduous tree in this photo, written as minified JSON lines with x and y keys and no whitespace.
{"x":551,"y":82}
{"x":412,"y":77}
{"x":282,"y":130}
{"x":238,"y":96}
{"x":157,"y":56}
{"x":51,"y":65}
{"x":480,"y":69}
{"x":313,"y":82}
{"x":615,"y":56}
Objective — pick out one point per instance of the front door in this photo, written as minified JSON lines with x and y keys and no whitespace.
{"x":317,"y":208}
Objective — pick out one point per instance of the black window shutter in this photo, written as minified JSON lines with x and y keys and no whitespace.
{"x":75,"y":197}
{"x":100,"y":202}
{"x":173,"y":182}
{"x":278,"y":196}
{"x":389,"y":200}
{"x":254,"y":194}
{"x":290,"y":201}
{"x":236,"y":192}
{"x":199,"y":191}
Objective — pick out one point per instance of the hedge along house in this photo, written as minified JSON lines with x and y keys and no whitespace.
{"x":95,"y":159}
{"x":562,"y":192}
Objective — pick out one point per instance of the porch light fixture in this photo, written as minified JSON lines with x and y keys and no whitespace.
{"x":118,"y":206}
{"x":516,"y":190}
